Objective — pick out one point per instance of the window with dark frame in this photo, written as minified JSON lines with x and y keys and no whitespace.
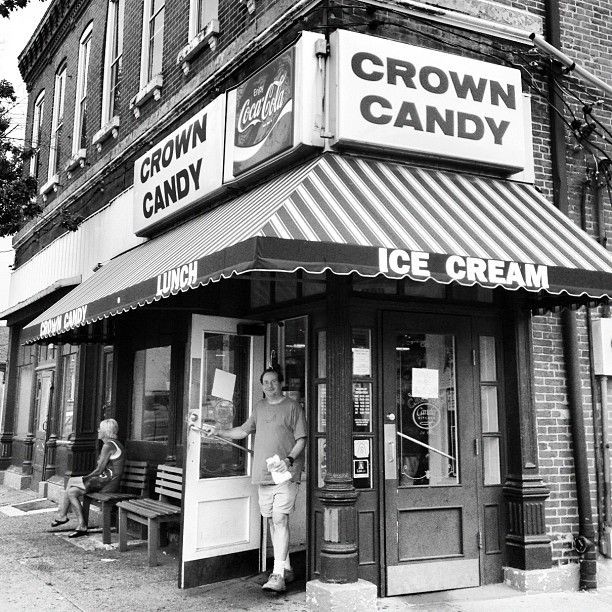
{"x":39,"y":110}
{"x":113,"y":60}
{"x":57,"y":126}
{"x":79,"y":139}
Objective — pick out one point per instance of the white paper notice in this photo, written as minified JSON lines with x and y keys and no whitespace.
{"x":361,"y":362}
{"x":223,"y":385}
{"x":425,"y":382}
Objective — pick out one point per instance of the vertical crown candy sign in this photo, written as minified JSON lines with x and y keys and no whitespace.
{"x":264,"y":114}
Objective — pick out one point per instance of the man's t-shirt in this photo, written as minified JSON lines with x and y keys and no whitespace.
{"x":277,"y":427}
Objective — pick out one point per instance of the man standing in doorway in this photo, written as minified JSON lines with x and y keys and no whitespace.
{"x":280,"y":429}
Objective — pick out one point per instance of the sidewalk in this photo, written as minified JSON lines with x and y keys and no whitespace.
{"x":41,"y":569}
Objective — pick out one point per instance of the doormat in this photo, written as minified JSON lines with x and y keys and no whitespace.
{"x":34,"y":506}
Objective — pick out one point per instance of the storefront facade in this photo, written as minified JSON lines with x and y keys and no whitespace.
{"x":381,"y":242}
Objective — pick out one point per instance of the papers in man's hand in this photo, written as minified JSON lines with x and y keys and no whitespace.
{"x":278,"y":468}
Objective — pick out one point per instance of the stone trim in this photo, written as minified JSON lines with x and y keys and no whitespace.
{"x":110,"y":128}
{"x":195,"y":46}
{"x":151,"y":90}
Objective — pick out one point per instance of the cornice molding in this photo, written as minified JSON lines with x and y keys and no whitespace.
{"x":48,"y":37}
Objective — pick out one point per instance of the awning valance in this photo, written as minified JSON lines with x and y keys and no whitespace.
{"x":348,"y":214}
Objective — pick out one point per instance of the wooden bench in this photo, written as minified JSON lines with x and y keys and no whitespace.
{"x":134,"y":483}
{"x":153,"y":512}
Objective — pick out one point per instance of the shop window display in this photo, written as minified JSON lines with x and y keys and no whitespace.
{"x":151,"y":395}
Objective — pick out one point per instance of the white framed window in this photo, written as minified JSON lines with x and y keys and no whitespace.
{"x":79,"y":136}
{"x":152,"y":40}
{"x":201,"y":13}
{"x":57,"y":125}
{"x":112,"y":60}
{"x":39,"y":111}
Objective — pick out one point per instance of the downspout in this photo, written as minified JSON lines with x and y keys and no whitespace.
{"x":584,"y":543}
{"x":600,"y":417}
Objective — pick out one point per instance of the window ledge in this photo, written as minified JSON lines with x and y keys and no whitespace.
{"x":51,"y":185}
{"x":208,"y":35}
{"x":111,"y":128}
{"x":77,"y":160}
{"x":151,"y":90}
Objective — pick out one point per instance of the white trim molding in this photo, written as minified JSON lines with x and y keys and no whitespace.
{"x":77,"y":160}
{"x":208,"y":35}
{"x":51,"y":185}
{"x":111,"y":128}
{"x":151,"y":90}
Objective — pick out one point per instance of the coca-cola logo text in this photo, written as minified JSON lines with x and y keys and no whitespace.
{"x":264,"y":104}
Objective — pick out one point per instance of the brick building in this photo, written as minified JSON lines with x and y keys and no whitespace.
{"x":419,"y":246}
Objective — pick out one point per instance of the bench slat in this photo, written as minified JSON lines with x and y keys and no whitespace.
{"x":158,"y":506}
{"x":170,"y":468}
{"x":148,"y":510}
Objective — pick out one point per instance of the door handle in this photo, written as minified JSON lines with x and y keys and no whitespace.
{"x":44,"y":426}
{"x":390,"y":460}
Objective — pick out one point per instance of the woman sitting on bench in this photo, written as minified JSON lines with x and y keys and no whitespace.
{"x":106,"y":477}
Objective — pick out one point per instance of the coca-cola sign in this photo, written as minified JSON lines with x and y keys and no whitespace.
{"x":264,"y":114}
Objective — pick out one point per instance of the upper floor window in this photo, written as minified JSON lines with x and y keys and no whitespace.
{"x":202,"y":12}
{"x":57,"y":125}
{"x":79,"y":138}
{"x":112,"y":60}
{"x":152,"y":40}
{"x":39,"y":110}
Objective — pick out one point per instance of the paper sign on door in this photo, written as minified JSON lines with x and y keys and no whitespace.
{"x":425,"y":382}
{"x":223,"y":385}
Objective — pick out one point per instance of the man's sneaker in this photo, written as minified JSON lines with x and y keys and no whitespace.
{"x":289,"y":575}
{"x":275,"y":583}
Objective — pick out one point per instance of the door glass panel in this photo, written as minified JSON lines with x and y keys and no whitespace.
{"x":293,"y":358}
{"x":489,"y":410}
{"x":488,"y":400}
{"x":488,"y":367}
{"x":492,"y":468}
{"x":225,"y":402}
{"x":426,"y":410}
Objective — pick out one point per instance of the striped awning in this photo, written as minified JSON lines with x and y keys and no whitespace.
{"x":348,"y":214}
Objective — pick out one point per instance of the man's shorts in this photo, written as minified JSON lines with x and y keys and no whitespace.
{"x":278,"y":498}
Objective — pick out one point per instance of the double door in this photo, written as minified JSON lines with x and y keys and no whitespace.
{"x":443,"y":452}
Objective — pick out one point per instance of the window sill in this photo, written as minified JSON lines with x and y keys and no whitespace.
{"x":51,"y":185}
{"x":208,"y":36}
{"x":77,"y":160}
{"x":151,"y":90}
{"x":111,"y":128}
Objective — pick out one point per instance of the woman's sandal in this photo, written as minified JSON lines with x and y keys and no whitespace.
{"x":58,"y":522}
{"x":78,"y":533}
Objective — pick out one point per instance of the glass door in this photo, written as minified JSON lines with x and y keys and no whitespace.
{"x":221,"y":529}
{"x":430,"y":455}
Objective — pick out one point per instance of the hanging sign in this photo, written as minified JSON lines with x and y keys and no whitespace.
{"x":275,"y":112}
{"x":181,"y":169}
{"x":389,"y":95}
{"x":263,"y":122}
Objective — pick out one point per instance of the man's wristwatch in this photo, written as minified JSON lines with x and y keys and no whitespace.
{"x":291,"y":461}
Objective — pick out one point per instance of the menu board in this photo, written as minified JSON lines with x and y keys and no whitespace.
{"x":362,"y":407}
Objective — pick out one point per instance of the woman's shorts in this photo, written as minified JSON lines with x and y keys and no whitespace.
{"x":278,"y":498}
